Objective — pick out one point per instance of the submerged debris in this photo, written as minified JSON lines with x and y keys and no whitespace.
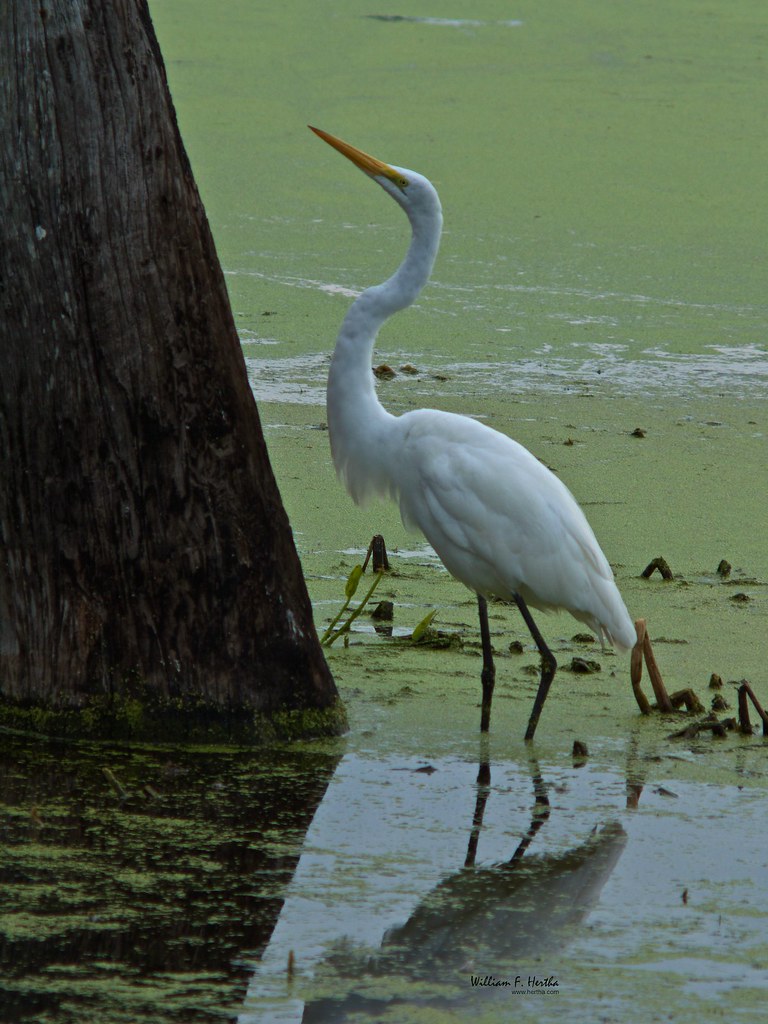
{"x":688,"y":698}
{"x":662,"y":566}
{"x":720,"y":727}
{"x":439,"y":640}
{"x":711,"y":723}
{"x":583,"y":666}
{"x":582,"y":638}
{"x":384,"y":611}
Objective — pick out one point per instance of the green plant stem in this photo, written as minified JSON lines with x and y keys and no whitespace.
{"x":324,"y":641}
{"x":329,"y":637}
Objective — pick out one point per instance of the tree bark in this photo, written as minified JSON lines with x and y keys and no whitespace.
{"x":144,"y":544}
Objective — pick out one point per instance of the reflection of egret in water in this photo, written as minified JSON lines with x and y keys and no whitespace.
{"x":481,"y":921}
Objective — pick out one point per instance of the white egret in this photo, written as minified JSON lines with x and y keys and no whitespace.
{"x":500,"y":521}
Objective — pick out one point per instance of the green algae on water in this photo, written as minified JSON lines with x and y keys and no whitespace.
{"x":143,"y":716}
{"x":144,"y":906}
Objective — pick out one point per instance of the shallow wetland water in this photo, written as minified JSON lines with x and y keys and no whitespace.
{"x":601,"y":169}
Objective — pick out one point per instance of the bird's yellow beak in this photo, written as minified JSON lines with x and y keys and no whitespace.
{"x":369,"y":164}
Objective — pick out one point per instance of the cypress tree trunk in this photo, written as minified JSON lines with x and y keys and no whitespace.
{"x":145,"y":552}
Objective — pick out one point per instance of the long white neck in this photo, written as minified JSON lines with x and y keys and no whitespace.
{"x":357,"y":422}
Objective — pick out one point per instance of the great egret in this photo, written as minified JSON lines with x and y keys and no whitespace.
{"x":500,"y":521}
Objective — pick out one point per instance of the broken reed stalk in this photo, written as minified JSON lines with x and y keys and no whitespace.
{"x":662,"y":697}
{"x":745,"y":690}
{"x":636,"y":669}
{"x":644,"y":650}
{"x":378,"y":550}
{"x":744,"y":723}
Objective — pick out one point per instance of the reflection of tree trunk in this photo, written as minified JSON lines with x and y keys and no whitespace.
{"x":143,"y":537}
{"x":151,"y":904}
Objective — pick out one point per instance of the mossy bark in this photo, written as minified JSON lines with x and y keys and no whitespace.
{"x":142,"y":532}
{"x":179,"y":720}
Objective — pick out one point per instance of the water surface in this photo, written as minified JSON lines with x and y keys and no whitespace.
{"x":601,"y":169}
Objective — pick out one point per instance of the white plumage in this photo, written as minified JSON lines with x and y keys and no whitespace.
{"x":500,"y":521}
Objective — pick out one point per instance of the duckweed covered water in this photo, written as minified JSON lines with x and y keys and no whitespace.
{"x":601,"y":169}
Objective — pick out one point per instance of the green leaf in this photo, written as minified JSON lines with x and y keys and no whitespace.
{"x":353,"y":581}
{"x":423,"y":626}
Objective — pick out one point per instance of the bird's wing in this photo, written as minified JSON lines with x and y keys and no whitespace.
{"x":472,"y":490}
{"x":500,"y":520}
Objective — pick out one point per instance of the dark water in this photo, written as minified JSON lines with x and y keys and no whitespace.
{"x":167,"y":885}
{"x":137,"y":884}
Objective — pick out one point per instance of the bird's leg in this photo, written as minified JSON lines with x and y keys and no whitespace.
{"x":488,"y":675}
{"x":541,"y":811}
{"x":548,"y":667}
{"x":483,"y":789}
